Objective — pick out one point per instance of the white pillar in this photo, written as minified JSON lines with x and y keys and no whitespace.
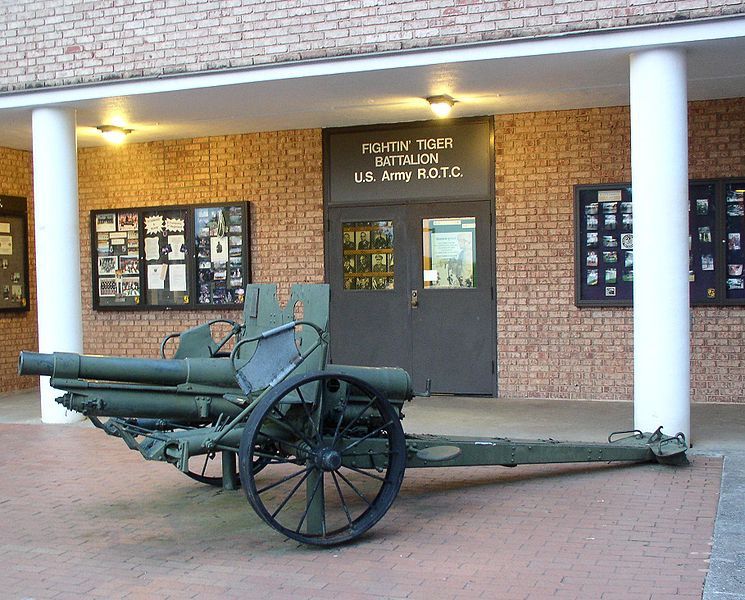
{"x":659,"y":175}
{"x":57,"y":230}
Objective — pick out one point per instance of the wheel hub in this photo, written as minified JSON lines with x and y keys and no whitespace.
{"x":328,"y":459}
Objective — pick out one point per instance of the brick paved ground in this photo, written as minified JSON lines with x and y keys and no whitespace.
{"x":83,"y":517}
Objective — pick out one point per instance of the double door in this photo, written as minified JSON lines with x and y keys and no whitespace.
{"x":412,"y":286}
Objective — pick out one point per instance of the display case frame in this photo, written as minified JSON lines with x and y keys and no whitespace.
{"x":584,"y":196}
{"x":170,"y":264}
{"x":713,"y":255}
{"x":14,"y":255}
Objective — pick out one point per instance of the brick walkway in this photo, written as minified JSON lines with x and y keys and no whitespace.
{"x":83,"y":517}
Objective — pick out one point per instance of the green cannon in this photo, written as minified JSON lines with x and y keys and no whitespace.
{"x":318,"y":448}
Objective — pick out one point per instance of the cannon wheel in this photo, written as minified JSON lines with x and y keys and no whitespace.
{"x":216,"y":480}
{"x":203,"y":462}
{"x":319,"y":447}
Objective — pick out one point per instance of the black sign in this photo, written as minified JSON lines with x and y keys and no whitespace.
{"x":449,"y":160}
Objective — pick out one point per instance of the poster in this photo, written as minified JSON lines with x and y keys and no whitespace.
{"x":219,"y":249}
{"x":176,"y":244}
{"x":127,"y":221}
{"x":129,"y":265}
{"x":130,"y":287}
{"x":449,"y":252}
{"x":107,"y":265}
{"x":152,"y":248}
{"x":177,"y":281}
{"x":107,"y":287}
{"x":106,"y":222}
{"x":156,"y":276}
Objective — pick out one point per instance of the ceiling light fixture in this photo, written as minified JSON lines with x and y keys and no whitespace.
{"x":113,"y":133}
{"x":441,"y":105}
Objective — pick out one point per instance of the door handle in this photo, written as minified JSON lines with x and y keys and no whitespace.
{"x":414,"y":299}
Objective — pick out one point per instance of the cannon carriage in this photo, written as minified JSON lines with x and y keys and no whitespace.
{"x":318,"y":448}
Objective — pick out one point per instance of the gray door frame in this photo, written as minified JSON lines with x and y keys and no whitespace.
{"x":489,"y":276}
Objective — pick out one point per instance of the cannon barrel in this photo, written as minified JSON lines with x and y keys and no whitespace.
{"x":64,"y":365}
{"x":393,"y":383}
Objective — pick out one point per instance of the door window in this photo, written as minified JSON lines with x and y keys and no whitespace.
{"x":449,"y":252}
{"x":368,"y":255}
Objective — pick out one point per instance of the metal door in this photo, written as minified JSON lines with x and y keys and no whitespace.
{"x":452,"y":309}
{"x":369,"y":321}
{"x":432,"y":310}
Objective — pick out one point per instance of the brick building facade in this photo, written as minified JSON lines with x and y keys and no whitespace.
{"x":546,"y":346}
{"x":59,"y":43}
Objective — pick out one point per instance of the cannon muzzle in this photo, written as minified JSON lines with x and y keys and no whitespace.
{"x":35,"y":363}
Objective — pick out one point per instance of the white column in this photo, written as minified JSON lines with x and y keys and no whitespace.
{"x":57,"y":230}
{"x":659,"y":175}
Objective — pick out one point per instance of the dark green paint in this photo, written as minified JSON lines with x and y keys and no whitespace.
{"x":322,"y":419}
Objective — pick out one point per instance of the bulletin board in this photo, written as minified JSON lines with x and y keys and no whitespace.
{"x":14,"y":288}
{"x":171,"y":257}
{"x":604,"y":245}
{"x":604,"y":258}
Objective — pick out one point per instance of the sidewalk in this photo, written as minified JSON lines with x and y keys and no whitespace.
{"x":89,"y":518}
{"x":717,"y":430}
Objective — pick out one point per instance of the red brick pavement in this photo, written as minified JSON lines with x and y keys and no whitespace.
{"x":83,"y":517}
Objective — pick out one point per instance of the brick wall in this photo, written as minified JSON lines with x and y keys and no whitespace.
{"x":18,"y":331}
{"x":45,"y":43}
{"x":279,"y":173}
{"x":547,"y":347}
{"x":717,"y":149}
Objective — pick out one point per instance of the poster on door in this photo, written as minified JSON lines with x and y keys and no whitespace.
{"x":449,"y":259}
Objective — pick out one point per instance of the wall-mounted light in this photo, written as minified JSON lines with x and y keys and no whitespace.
{"x":113,"y":133}
{"x":441,"y":105}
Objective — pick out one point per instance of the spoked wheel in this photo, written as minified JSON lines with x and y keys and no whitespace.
{"x":208,"y":468}
{"x":336,"y":458}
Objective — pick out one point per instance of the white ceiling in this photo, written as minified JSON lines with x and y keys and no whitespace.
{"x":596,"y":78}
